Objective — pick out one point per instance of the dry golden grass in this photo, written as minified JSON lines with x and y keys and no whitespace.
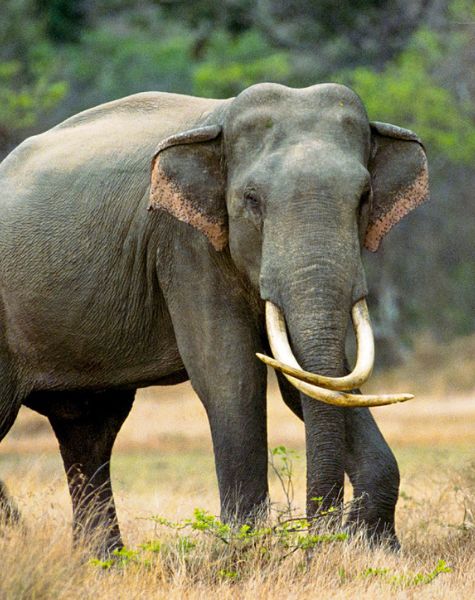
{"x":163,"y":465}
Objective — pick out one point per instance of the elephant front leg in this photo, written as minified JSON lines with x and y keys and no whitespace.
{"x":232,"y":385}
{"x":238,"y":426}
{"x":218,"y":349}
{"x":218,"y":330}
{"x":374,"y":475}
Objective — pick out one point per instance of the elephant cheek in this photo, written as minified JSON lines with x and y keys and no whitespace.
{"x":246,"y":250}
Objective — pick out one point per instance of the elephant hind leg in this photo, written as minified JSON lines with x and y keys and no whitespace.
{"x":10,"y":397}
{"x":86,"y":425}
{"x":10,"y":402}
{"x":9,"y":512}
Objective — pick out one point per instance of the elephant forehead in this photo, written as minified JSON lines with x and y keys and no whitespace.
{"x":314,"y":141}
{"x":265,"y":120}
{"x":272,"y":93}
{"x":283,"y":123}
{"x":259,"y":103}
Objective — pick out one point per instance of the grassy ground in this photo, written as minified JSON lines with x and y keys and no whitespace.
{"x":163,"y":465}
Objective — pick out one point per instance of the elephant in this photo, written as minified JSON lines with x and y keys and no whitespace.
{"x":259,"y":208}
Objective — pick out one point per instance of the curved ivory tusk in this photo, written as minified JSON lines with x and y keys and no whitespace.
{"x":286,"y":363}
{"x":345,"y":399}
{"x":277,"y":333}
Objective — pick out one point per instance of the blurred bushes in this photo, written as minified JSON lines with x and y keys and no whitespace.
{"x":407,"y":91}
{"x":30,"y":80}
{"x":410,"y":60}
{"x":112,"y":62}
{"x":239,"y":62}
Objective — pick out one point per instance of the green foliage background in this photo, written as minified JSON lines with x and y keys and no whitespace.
{"x":410,"y":61}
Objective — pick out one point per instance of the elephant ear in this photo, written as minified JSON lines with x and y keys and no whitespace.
{"x":400,"y":179}
{"x":188,"y":181}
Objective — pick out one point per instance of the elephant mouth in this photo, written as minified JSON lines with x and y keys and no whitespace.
{"x":331,"y":390}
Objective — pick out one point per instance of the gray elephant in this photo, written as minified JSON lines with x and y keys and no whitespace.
{"x":263,"y":200}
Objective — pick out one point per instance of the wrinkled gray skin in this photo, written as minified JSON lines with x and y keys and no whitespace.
{"x":98,"y":296}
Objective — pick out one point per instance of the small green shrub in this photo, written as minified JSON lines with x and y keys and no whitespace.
{"x":405,"y":580}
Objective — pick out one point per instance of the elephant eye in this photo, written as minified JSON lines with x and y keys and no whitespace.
{"x":252,"y":202}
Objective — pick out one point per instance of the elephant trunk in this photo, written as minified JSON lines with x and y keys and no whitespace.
{"x":316,"y":306}
{"x":313,"y":300}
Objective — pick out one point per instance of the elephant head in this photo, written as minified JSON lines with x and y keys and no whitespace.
{"x":295,"y":182}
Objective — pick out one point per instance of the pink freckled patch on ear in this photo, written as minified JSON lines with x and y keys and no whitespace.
{"x":165,"y":194}
{"x":404,"y":201}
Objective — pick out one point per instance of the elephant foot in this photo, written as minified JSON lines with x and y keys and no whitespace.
{"x":386,"y":539}
{"x":99,"y":542}
{"x":108,"y":550}
{"x":243,"y":513}
{"x":377,"y":534}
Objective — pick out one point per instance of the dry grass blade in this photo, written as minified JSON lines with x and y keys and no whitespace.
{"x":163,"y":465}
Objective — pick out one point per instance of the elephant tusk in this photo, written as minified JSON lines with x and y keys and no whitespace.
{"x":345,"y":399}
{"x":286,"y":363}
{"x":299,"y":378}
